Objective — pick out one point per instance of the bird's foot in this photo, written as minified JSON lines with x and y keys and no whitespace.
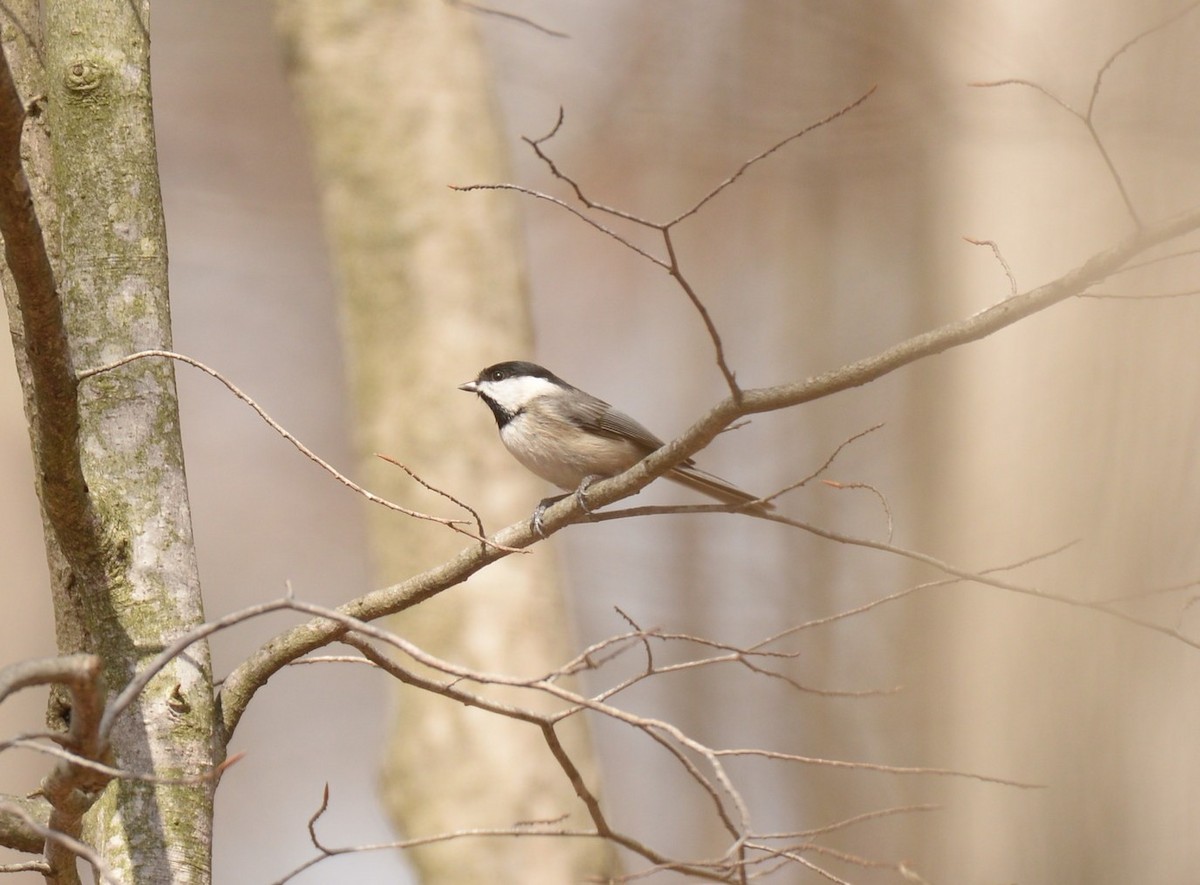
{"x":583,"y":487}
{"x":536,"y":523}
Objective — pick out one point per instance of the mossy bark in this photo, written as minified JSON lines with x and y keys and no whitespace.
{"x":124,"y":569}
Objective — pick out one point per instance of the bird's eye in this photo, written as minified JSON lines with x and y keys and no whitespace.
{"x":497,"y":375}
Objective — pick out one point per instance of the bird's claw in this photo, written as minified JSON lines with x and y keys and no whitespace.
{"x":539,"y":527}
{"x":537,"y":524}
{"x":579,"y":493}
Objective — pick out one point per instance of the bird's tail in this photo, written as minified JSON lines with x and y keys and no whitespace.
{"x":715,"y":487}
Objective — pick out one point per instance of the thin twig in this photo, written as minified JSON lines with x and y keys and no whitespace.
{"x":871,"y":766}
{"x":449,"y":497}
{"x":112,"y":773}
{"x":1158,"y":296}
{"x":779,"y":145}
{"x":991,"y":244}
{"x":672,"y":264}
{"x":1088,"y":117}
{"x":582,"y":216}
{"x":509,"y":16}
{"x":879,"y":496}
{"x":454,"y":524}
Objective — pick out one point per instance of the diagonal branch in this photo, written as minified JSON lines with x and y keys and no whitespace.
{"x":252,"y":674}
{"x":455,"y":524}
{"x":955,"y":334}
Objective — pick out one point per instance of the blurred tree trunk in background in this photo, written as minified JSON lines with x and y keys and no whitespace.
{"x":1082,"y":427}
{"x":1080,"y":424}
{"x":399,"y":104}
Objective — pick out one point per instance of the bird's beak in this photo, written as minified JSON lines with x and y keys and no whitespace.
{"x":469,"y":387}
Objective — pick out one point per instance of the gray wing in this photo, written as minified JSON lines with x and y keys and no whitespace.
{"x":595,"y":415}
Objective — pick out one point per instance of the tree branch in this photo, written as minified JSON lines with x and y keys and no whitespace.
{"x":1088,"y":117}
{"x":455,"y":524}
{"x":15,"y":830}
{"x":241,"y":685}
{"x":753,"y":401}
{"x":73,"y":786}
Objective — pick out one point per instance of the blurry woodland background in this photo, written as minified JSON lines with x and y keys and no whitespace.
{"x":1077,"y":424}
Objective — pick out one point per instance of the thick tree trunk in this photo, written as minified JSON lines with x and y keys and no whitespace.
{"x":107,"y":452}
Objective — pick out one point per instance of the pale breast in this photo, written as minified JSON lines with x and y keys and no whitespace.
{"x":565,"y":459}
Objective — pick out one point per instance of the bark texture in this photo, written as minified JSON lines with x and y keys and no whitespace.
{"x":107,"y":452}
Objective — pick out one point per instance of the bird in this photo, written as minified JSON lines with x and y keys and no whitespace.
{"x":570,"y":438}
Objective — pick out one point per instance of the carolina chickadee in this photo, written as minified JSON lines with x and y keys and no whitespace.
{"x":571,"y":438}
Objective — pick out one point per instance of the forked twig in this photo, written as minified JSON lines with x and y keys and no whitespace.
{"x":1088,"y":117}
{"x":671,"y":262}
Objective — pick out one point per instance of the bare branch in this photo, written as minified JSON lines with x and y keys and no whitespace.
{"x":1158,"y":296}
{"x":136,"y":685}
{"x":879,"y":496}
{"x":538,"y":195}
{"x":981,"y":577}
{"x":672,"y":265}
{"x":985,"y":577}
{"x":449,"y":497}
{"x":241,"y":685}
{"x":1129,"y":44}
{"x":748,"y":658}
{"x":509,"y":16}
{"x":549,"y":686}
{"x":77,"y":670}
{"x":1012,"y":280}
{"x":1088,"y":117}
{"x":851,"y":821}
{"x":676,"y":271}
{"x":733,"y":868}
{"x":32,"y":866}
{"x":536,"y":144}
{"x":900,"y":594}
{"x":871,"y":766}
{"x":109,"y":772}
{"x":15,"y":833}
{"x":545,"y":722}
{"x":455,"y":524}
{"x":741,"y":170}
{"x":417,"y":842}
{"x":68,"y":843}
{"x":1158,"y":259}
{"x":77,"y":780}
{"x":1153,"y":591}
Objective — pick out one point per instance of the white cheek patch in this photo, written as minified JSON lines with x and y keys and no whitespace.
{"x":512,"y":394}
